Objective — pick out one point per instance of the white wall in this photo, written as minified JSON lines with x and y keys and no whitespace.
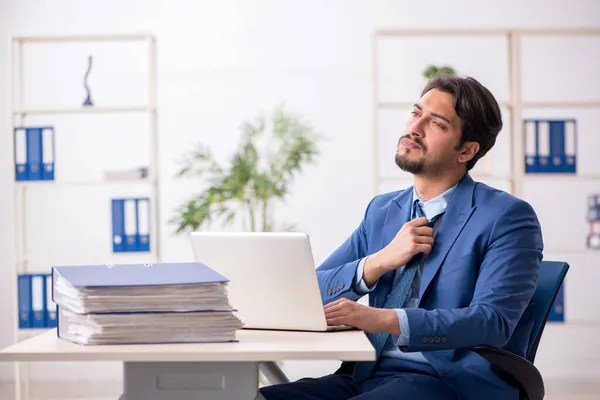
{"x":223,"y":62}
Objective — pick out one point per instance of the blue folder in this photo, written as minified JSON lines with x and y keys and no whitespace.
{"x":108,"y":275}
{"x":24,"y":295}
{"x":34,"y":154}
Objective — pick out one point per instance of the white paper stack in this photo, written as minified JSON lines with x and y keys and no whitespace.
{"x":143,"y":303}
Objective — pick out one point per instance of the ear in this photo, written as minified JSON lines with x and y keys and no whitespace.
{"x":468,"y":151}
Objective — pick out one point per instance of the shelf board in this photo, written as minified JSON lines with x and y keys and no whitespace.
{"x":85,"y":110}
{"x":561,"y":104}
{"x":562,"y":176}
{"x":99,"y":182}
{"x":85,"y":38}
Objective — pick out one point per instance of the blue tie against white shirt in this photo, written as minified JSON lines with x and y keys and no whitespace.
{"x":431,"y":208}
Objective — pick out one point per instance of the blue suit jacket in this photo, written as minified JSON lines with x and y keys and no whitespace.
{"x":476,"y":284}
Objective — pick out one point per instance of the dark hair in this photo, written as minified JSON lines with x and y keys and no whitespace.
{"x":476,"y":107}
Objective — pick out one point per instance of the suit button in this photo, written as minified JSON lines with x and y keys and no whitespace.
{"x":430,"y":340}
{"x":329,"y":292}
{"x":444,"y":340}
{"x":424,"y":339}
{"x":341,"y":285}
{"x":437,"y":339}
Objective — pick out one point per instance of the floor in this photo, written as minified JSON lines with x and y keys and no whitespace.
{"x":556,"y":389}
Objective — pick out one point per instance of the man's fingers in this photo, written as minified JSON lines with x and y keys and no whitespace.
{"x":424,"y":240}
{"x":418,"y":221}
{"x":423,"y":231}
{"x":334,"y":305}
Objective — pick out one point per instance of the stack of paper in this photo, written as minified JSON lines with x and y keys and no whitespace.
{"x":143,"y":303}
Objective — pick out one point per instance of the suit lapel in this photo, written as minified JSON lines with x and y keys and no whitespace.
{"x":397,"y":216}
{"x":458,"y":212}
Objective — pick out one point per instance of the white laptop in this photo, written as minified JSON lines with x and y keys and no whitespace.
{"x":272,"y":278}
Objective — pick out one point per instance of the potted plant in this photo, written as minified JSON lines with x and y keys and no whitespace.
{"x":433,"y":70}
{"x":270,"y":154}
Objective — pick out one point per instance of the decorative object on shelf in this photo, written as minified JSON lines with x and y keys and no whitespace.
{"x":433,"y":70}
{"x":550,"y":145}
{"x":36,"y":308}
{"x":34,"y":153}
{"x":593,"y":217}
{"x":557,"y":312}
{"x":126,"y":174}
{"x":88,"y":100}
{"x":261,"y":170}
{"x":131,"y":225}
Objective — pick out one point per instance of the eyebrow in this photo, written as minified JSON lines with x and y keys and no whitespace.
{"x":440,"y":116}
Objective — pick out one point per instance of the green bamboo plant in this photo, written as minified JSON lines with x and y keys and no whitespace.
{"x":270,"y":153}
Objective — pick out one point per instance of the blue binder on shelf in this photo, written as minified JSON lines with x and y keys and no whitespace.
{"x":24,"y":296}
{"x":38,"y":301}
{"x":114,"y":275}
{"x":557,"y":313}
{"x":131,"y":225}
{"x":34,"y":154}
{"x":143,"y":224}
{"x":48,"y":153}
{"x":51,"y":307}
{"x":130,"y":218}
{"x":118,"y":226}
{"x":550,"y":146}
{"x":20,"y":154}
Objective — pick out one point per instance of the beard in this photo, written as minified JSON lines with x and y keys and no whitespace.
{"x":411,"y":166}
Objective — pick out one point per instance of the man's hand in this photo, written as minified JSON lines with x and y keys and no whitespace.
{"x":412,"y":239}
{"x":368,"y":319}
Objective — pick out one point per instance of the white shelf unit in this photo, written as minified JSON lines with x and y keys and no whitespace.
{"x":515,"y":104}
{"x":19,"y":116}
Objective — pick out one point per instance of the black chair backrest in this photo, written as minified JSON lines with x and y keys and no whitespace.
{"x":552,"y":275}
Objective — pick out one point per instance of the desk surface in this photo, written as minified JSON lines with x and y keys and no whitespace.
{"x":253,"y":345}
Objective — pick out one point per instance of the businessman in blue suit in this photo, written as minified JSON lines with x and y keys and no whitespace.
{"x":449,"y":263}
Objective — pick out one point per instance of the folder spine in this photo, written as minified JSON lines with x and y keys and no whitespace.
{"x":550,"y":145}
{"x":24,"y":296}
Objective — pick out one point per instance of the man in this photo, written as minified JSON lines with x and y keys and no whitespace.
{"x":448,"y":264}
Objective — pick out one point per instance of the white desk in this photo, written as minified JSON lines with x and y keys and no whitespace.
{"x":215,"y":371}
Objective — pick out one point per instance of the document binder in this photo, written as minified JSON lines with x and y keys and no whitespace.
{"x":20,"y":154}
{"x":118,"y":226}
{"x":48,"y":152}
{"x":24,"y":295}
{"x":51,"y":307}
{"x":131,"y":275}
{"x":38,"y":300}
{"x":143,"y":224}
{"x":557,"y":313}
{"x":131,"y":225}
{"x":550,"y":146}
{"x":34,"y":154}
{"x":142,"y":303}
{"x":130,"y":218}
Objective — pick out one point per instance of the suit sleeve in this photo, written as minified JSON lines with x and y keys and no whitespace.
{"x":508,"y":277}
{"x":338,"y":274}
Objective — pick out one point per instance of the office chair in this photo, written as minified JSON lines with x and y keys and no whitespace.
{"x":552,"y":275}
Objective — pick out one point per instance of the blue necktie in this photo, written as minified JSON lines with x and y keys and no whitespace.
{"x":399,"y":295}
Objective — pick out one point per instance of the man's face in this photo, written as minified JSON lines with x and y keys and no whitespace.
{"x":431,"y":136}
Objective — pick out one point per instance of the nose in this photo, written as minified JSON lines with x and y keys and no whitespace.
{"x":417,"y":127}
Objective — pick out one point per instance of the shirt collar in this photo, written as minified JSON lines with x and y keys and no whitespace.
{"x":435,"y":206}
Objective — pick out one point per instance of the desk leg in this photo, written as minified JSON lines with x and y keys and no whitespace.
{"x":190,"y":381}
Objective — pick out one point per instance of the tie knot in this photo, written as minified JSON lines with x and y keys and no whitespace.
{"x":419,"y":212}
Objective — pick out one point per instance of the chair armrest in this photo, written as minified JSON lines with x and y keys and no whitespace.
{"x":273,"y":373}
{"x":518,"y":367}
